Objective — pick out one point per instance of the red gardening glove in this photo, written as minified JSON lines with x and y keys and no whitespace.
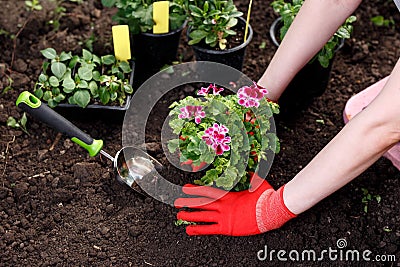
{"x":254,"y":211}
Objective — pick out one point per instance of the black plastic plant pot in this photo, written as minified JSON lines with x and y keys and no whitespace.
{"x":310,"y":82}
{"x":154,"y":51}
{"x":233,"y":57}
{"x":112,"y":113}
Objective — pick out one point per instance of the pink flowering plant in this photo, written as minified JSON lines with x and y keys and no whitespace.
{"x":230,"y":133}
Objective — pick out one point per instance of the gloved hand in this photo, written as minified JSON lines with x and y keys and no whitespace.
{"x":254,"y":211}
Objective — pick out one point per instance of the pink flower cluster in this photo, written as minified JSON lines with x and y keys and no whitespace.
{"x":205,"y":90}
{"x":215,"y":137}
{"x":250,"y":96}
{"x":192,"y":111}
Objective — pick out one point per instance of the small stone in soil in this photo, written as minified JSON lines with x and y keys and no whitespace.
{"x":134,"y":231}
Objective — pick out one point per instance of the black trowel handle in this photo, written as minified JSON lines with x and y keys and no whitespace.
{"x":32,"y":105}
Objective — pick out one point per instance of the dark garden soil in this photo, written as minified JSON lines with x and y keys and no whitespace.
{"x":58,"y":207}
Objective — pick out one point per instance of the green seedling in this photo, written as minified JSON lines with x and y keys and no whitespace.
{"x":368,"y":197}
{"x":382,"y":22}
{"x":387,"y":229}
{"x":9,"y":86}
{"x":33,"y":5}
{"x":18,"y":124}
{"x":263,"y":45}
{"x":80,"y":79}
{"x":4,"y":32}
{"x":59,"y":12}
{"x":183,"y":222}
{"x":88,"y":43}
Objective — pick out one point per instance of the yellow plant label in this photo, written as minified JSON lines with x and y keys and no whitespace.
{"x":122,"y":47}
{"x":161,"y":17}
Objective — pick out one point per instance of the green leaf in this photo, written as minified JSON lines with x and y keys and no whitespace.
{"x":42,"y":78}
{"x":207,"y":157}
{"x":65,"y":56}
{"x":211,"y":38}
{"x":198,"y":34}
{"x":55,"y":91}
{"x":114,"y":69}
{"x":73,"y":61}
{"x":124,"y":66}
{"x":12,"y":122}
{"x":108,"y":59}
{"x":54,"y":81}
{"x":96,"y":75}
{"x":52,"y":103}
{"x":96,"y":59}
{"x":39,"y":93}
{"x":82,"y":98}
{"x":113,"y":96}
{"x":87,"y":55}
{"x":173,"y":145}
{"x":68,"y":85}
{"x":83,"y":84}
{"x":93,"y":88}
{"x":108,"y":3}
{"x":128,"y":89}
{"x":104,"y":95}
{"x":59,"y":98}
{"x":47,"y":95}
{"x":85,"y":73}
{"x":45,"y":66}
{"x":176,"y":125}
{"x":232,"y":22}
{"x":24,"y":120}
{"x":58,"y":69}
{"x":49,"y":53}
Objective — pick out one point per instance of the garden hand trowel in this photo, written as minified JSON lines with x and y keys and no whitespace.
{"x":132,"y":165}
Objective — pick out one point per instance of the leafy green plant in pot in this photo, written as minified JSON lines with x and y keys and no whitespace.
{"x":312,"y":79}
{"x":85,"y":81}
{"x":231,"y":132}
{"x":217,"y":32}
{"x":151,"y":51}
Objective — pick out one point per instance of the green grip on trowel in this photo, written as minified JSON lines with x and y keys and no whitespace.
{"x":32,"y":105}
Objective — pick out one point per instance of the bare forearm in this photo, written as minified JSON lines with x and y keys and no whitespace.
{"x":358,"y":145}
{"x":313,"y":26}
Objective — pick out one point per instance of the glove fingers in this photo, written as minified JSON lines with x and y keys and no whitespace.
{"x":194,"y":203}
{"x":210,"y":229}
{"x":204,"y":191}
{"x":198,"y":216}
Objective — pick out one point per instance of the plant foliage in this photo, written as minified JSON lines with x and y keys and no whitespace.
{"x":234,"y":151}
{"x":82,"y":79}
{"x":138,"y":14}
{"x":212,"y":21}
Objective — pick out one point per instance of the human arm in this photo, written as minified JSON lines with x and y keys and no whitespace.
{"x":358,"y":145}
{"x":313,"y":26}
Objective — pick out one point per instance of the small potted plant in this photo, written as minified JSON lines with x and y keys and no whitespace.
{"x":217,"y":32}
{"x":151,"y":51}
{"x":85,"y":81}
{"x":312,"y":80}
{"x":232,"y":132}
